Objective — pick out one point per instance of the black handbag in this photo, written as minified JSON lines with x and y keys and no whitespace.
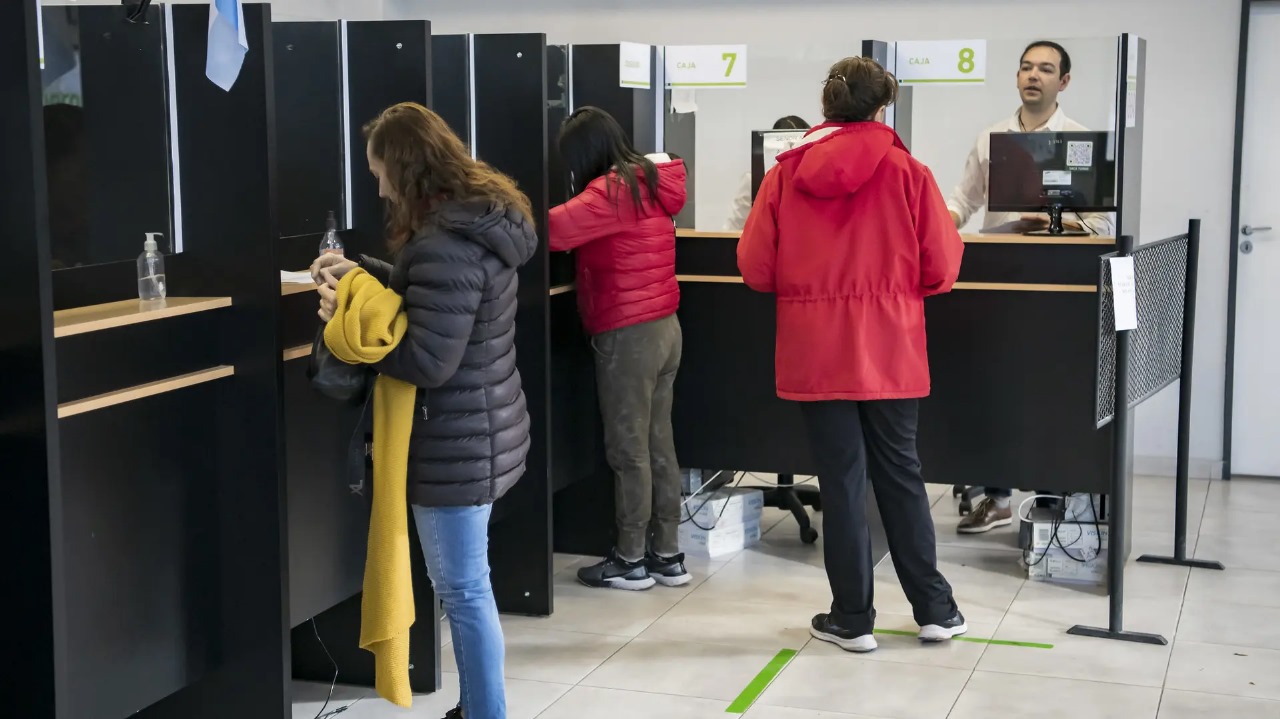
{"x":336,"y":379}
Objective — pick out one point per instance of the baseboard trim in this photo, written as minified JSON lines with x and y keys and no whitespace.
{"x":1157,"y":466}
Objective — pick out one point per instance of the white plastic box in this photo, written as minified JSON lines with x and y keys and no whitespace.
{"x":719,"y":541}
{"x":724,"y":507}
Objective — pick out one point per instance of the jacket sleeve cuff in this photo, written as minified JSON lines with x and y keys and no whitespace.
{"x":380,"y":270}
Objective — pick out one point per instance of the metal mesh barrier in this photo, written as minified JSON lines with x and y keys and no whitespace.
{"x":1160,"y":270}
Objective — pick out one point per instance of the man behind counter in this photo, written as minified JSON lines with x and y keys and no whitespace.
{"x":1045,"y":71}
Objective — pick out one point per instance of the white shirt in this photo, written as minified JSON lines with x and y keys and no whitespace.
{"x":741,"y":206}
{"x":971,"y":194}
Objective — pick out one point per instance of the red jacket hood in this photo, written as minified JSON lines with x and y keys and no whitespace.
{"x":672,"y":191}
{"x":837,"y":159}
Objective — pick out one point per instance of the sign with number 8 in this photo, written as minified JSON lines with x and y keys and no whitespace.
{"x":941,"y":62}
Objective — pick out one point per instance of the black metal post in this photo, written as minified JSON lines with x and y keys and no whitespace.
{"x":1117,"y":506}
{"x":1182,"y":481}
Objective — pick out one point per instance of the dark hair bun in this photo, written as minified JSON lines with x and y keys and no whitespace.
{"x":856,"y":88}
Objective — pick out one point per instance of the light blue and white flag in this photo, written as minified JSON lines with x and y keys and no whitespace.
{"x":227,"y":43}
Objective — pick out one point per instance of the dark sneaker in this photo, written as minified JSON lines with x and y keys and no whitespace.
{"x":949,"y":629}
{"x":454,"y":713}
{"x":985,"y":517}
{"x":616,"y":573}
{"x":667,"y":571}
{"x":824,"y":627}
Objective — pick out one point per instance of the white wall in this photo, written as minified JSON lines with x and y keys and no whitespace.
{"x":1190,"y":110}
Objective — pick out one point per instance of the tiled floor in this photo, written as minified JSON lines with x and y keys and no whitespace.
{"x":687,"y":653}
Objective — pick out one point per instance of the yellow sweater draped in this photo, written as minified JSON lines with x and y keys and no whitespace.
{"x":368,"y":324}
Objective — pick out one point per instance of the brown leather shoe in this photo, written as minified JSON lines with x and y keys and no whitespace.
{"x":985,"y":517}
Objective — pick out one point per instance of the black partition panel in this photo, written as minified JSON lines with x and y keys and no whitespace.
{"x":122,"y":138}
{"x":328,"y":517}
{"x":221,"y":490}
{"x":558,"y":109}
{"x":28,"y":425}
{"x":595,"y":83}
{"x":310,"y":142}
{"x":511,"y":133}
{"x":679,"y":139}
{"x":900,"y":111}
{"x":388,"y":62}
{"x":451,"y":82}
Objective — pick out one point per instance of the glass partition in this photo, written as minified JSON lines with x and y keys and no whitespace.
{"x":107,"y":128}
{"x":786,"y":79}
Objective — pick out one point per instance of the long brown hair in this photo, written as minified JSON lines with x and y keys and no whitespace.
{"x":426,"y":163}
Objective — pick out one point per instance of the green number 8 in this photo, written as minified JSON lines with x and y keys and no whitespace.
{"x":966,"y":65}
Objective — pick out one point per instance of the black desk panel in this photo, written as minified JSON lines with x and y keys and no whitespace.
{"x":1013,"y":391}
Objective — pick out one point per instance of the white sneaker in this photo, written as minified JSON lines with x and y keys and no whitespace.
{"x":949,"y":629}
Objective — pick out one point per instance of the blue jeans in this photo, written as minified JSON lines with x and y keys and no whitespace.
{"x":455,"y":541}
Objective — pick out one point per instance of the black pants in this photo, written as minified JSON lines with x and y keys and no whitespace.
{"x":851,"y":441}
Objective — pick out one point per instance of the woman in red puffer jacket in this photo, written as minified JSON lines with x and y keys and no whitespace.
{"x":851,"y":234}
{"x":619,"y":225}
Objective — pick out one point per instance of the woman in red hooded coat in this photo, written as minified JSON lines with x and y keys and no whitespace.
{"x":618,"y":224}
{"x":851,"y":234}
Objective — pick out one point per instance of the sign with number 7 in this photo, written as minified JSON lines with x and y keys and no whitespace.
{"x":722,"y":67}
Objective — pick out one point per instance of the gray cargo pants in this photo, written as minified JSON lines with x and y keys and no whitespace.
{"x":636,"y":372}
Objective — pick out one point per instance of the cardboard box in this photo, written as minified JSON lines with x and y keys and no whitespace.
{"x":724,"y":507}
{"x":723,"y":539}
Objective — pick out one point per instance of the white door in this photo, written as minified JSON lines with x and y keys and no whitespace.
{"x":1256,"y":417}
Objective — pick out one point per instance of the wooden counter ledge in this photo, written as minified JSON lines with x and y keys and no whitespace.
{"x":95,"y":318}
{"x":142,"y":391}
{"x":293,"y":353}
{"x":289,"y":288}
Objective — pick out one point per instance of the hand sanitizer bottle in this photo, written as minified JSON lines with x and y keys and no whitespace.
{"x":151,"y":285}
{"x":330,"y":244}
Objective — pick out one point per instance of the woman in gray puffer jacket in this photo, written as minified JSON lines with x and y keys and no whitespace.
{"x":460,"y":231}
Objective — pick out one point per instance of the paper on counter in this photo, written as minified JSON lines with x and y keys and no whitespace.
{"x":296,"y":278}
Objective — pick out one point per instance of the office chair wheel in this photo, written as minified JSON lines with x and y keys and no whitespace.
{"x":966,"y":506}
{"x":808,"y":535}
{"x":957,"y":490}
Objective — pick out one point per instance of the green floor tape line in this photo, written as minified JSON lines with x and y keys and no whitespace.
{"x":761,"y":682}
{"x":975,"y":640}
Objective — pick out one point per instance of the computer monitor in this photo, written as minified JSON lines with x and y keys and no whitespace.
{"x":1052,"y":172}
{"x":766,"y":145}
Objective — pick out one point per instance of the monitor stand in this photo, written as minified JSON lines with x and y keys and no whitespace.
{"x":1055,"y":226}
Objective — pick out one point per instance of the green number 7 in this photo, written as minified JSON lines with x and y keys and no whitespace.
{"x":732,"y":58}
